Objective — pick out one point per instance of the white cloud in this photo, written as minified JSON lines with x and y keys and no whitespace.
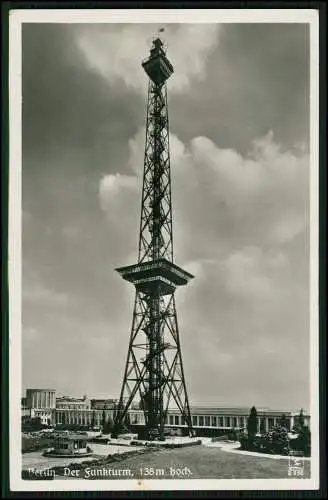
{"x":117,"y":54}
{"x":228,"y":200}
{"x":110,"y":193}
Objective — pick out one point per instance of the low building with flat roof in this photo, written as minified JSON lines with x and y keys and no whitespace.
{"x":206,"y":420}
{"x":70,"y":444}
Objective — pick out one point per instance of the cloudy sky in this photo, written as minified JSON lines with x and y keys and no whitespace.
{"x":239,"y":118}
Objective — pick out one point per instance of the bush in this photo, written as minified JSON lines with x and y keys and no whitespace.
{"x":233,"y":435}
{"x":279,"y":441}
{"x":303,"y":442}
{"x":249,"y":443}
{"x":274,"y":442}
{"x":35,"y":443}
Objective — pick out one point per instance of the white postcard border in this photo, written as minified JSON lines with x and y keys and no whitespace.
{"x":16,"y":18}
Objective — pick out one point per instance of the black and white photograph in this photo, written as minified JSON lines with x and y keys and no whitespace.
{"x":163,"y":250}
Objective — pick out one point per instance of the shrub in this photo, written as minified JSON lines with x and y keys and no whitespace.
{"x":34,"y":443}
{"x":243,"y":442}
{"x":303,"y":442}
{"x":249,"y":443}
{"x":274,"y":442}
{"x":233,"y":435}
{"x":279,"y":442}
{"x":284,"y":422}
{"x":108,"y":426}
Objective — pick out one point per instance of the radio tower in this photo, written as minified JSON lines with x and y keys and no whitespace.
{"x":154,"y":373}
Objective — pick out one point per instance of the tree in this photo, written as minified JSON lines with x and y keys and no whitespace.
{"x":127,"y":421}
{"x":252,"y":424}
{"x":103,"y":420}
{"x":299,"y":422}
{"x":279,"y":440}
{"x":36,"y":423}
{"x":304,"y":439}
{"x":284,"y":422}
{"x":107,"y":429}
{"x":93,"y":419}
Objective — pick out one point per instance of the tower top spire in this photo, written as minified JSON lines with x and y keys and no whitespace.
{"x":157,"y":66}
{"x":159,"y":35}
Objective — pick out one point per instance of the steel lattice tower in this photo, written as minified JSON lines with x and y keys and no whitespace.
{"x":154,"y":372}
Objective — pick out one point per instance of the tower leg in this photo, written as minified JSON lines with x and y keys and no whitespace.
{"x":154,"y":369}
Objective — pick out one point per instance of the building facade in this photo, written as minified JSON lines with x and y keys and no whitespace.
{"x":69,"y":403}
{"x":85,"y":412}
{"x":39,"y":403}
{"x":41,"y":398}
{"x":103,"y":404}
{"x":206,"y":421}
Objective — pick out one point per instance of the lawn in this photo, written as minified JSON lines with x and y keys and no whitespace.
{"x":197,"y":462}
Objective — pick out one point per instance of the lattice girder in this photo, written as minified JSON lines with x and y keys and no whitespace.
{"x":154,"y":371}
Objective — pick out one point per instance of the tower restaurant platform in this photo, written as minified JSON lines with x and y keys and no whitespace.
{"x":158,"y":273}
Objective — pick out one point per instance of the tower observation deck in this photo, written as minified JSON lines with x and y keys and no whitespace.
{"x":154,"y":373}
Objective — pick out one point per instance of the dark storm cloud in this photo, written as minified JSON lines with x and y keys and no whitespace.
{"x":75,"y":128}
{"x":67,"y":109}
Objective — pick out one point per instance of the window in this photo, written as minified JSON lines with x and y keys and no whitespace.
{"x":228,"y":421}
{"x":194,"y":420}
{"x":207,"y":421}
{"x":234,"y":422}
{"x":201,"y":421}
{"x":213,"y":421}
{"x":171,"y":419}
{"x":176,"y":420}
{"x":241,"y":422}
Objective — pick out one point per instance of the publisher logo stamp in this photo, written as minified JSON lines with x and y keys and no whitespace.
{"x":295,"y":466}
